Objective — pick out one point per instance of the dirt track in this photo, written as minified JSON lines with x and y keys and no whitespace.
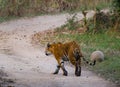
{"x":28,"y":66}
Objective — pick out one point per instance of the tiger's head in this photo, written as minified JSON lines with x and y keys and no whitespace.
{"x":51,"y":48}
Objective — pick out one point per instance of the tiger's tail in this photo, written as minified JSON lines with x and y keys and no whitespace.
{"x":90,"y":63}
{"x":78,"y":55}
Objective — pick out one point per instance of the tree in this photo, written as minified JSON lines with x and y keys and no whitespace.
{"x":116,"y":15}
{"x":116,"y":6}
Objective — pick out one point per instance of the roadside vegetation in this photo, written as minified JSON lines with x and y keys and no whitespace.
{"x":13,"y":9}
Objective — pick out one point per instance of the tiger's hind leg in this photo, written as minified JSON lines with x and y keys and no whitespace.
{"x":77,"y":69}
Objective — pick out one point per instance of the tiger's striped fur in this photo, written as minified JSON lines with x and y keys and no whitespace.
{"x":69,"y":51}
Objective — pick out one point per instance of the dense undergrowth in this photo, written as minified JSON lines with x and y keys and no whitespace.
{"x":10,"y":9}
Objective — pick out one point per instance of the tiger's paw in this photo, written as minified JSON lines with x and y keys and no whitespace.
{"x":65,"y":73}
{"x":78,"y":73}
{"x":55,"y":73}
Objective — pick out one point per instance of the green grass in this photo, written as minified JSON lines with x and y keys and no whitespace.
{"x":110,"y":68}
{"x":7,"y":18}
{"x":110,"y":45}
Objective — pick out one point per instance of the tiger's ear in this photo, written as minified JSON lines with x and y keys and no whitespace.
{"x":59,"y":44}
{"x":48,"y":45}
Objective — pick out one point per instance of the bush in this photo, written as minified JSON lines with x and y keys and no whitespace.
{"x":116,"y":6}
{"x":72,"y":23}
{"x":23,"y":7}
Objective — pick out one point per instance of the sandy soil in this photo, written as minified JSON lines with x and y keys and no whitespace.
{"x":28,"y":66}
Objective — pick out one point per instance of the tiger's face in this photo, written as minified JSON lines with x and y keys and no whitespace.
{"x":49,"y":49}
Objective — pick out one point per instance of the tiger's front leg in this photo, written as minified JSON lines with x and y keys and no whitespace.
{"x":65,"y":73}
{"x":57,"y":70}
{"x":61,"y":65}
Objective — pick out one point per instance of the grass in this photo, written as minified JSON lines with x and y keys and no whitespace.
{"x":110,"y":45}
{"x":7,"y":18}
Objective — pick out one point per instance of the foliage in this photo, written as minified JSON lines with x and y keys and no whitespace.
{"x":72,"y":23}
{"x":116,"y":16}
{"x":23,"y":7}
{"x":116,"y":6}
{"x":6,"y":18}
{"x":101,"y":22}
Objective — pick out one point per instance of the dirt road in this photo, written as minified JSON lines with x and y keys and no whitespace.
{"x":28,"y":66}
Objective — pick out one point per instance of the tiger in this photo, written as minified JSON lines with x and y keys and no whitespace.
{"x":69,"y":51}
